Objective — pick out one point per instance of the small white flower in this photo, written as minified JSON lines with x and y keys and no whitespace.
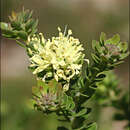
{"x":69,"y":32}
{"x":87,"y":60}
{"x":66,"y":87}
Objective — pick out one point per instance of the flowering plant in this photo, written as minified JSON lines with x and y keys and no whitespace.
{"x":60,"y":58}
{"x":62,"y":86}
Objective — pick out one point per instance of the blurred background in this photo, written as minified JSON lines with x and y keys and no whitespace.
{"x":87,"y":19}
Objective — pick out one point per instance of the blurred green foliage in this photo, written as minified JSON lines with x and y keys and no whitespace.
{"x":109,"y":94}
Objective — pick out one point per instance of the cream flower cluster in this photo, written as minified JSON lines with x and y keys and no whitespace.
{"x":61,"y":57}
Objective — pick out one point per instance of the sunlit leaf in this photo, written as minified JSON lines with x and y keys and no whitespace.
{"x":92,"y":127}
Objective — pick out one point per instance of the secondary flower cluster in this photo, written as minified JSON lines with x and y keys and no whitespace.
{"x":60,"y":58}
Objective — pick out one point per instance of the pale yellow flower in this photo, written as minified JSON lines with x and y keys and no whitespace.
{"x":62,"y":55}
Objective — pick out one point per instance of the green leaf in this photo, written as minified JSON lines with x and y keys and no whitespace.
{"x":82,"y":127}
{"x":42,"y":85}
{"x":21,"y":44}
{"x":36,"y":91}
{"x":96,"y":46}
{"x":35,"y":24}
{"x":118,"y":63}
{"x":23,"y":35}
{"x":34,"y":29}
{"x":102,"y":37}
{"x":67,"y":102}
{"x":114,"y":40}
{"x":55,"y":87}
{"x":30,"y":24}
{"x":95,"y":70}
{"x":27,"y":15}
{"x":94,"y":42}
{"x":4,"y":26}
{"x":70,"y":103}
{"x":101,"y":76}
{"x":81,"y":82}
{"x":9,"y":34}
{"x":124,"y":55}
{"x":82,"y":112}
{"x":65,"y":99}
{"x":94,"y":87}
{"x":92,"y":127}
{"x":16,"y":25}
{"x":95,"y":58}
{"x":123,"y":46}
